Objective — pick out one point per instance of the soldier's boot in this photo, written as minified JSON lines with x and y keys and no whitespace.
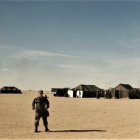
{"x":36,"y":129}
{"x":46,"y":129}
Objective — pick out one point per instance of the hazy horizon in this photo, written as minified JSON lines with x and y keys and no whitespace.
{"x":65,"y":43}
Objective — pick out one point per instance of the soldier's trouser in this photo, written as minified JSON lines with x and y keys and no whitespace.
{"x":43,"y":115}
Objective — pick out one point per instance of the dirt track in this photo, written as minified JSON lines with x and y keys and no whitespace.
{"x":70,"y":118}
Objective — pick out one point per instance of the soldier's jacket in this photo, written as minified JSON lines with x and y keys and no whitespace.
{"x":40,"y":103}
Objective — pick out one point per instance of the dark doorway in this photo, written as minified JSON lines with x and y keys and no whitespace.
{"x":117,"y":94}
{"x":74,"y":93}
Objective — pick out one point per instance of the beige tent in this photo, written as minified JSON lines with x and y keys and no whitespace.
{"x":122,"y":91}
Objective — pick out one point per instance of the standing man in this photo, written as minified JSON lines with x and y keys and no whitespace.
{"x":41,"y":105}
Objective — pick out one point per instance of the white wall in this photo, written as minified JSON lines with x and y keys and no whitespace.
{"x":70,"y":93}
{"x":79,"y":94}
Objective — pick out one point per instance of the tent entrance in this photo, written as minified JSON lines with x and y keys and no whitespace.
{"x":117,"y":94}
{"x":74,"y":93}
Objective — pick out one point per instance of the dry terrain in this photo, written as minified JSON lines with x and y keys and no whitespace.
{"x":70,"y":118}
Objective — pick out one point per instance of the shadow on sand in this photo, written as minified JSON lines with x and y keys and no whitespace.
{"x":79,"y":131}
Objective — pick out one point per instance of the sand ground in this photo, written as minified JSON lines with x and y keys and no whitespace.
{"x":70,"y":118}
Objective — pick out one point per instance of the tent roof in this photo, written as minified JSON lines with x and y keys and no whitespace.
{"x":126,"y":86}
{"x":5,"y":87}
{"x":89,"y":88}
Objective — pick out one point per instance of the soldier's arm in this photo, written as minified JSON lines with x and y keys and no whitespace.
{"x":33,"y":104}
{"x":47,"y":104}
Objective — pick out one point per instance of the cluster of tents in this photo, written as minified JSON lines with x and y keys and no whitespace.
{"x":92,"y":91}
{"x":10,"y":90}
{"x":88,"y":91}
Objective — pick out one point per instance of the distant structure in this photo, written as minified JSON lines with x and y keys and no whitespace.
{"x":123,"y":91}
{"x":92,"y":91}
{"x":137,"y":93}
{"x":61,"y":92}
{"x":7,"y":89}
{"x":86,"y":91}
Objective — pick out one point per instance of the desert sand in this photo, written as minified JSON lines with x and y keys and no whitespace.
{"x":70,"y":118}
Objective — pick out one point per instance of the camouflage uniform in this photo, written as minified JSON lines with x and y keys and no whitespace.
{"x":41,"y":104}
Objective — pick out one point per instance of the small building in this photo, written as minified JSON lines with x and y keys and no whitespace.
{"x":59,"y":91}
{"x":122,"y":91}
{"x":7,"y":89}
{"x":87,"y":91}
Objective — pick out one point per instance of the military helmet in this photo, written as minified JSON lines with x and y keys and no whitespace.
{"x":41,"y":91}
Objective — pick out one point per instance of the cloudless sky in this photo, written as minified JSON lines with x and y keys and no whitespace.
{"x":65,"y":43}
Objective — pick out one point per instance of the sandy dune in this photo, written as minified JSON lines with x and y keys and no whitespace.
{"x":70,"y":118}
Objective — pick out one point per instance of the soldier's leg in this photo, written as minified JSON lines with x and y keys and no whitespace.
{"x":45,"y":122}
{"x":37,"y":118}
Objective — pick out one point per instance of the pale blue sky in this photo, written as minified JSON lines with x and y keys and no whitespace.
{"x":62,"y":43}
